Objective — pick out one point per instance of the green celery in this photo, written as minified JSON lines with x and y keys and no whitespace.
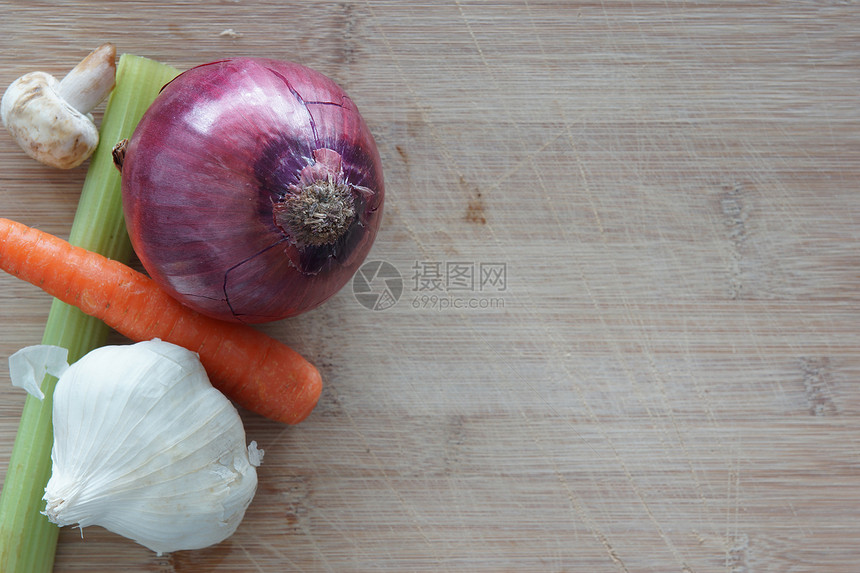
{"x":27,"y":539}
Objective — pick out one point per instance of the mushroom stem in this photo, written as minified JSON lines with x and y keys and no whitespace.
{"x":90,"y":81}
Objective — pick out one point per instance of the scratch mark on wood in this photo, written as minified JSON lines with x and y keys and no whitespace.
{"x":286,"y":560}
{"x":557,"y":348}
{"x":527,"y":158}
{"x":450,"y":160}
{"x":579,"y":509}
{"x":251,"y":557}
{"x":384,"y":473}
{"x":622,"y":360}
{"x":673,"y":422}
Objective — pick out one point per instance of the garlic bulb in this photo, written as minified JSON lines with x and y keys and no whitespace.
{"x":145,"y":447}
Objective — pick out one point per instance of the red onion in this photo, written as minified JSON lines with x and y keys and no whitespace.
{"x":252,"y":189}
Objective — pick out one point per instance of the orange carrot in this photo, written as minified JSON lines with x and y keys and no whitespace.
{"x":254,"y":370}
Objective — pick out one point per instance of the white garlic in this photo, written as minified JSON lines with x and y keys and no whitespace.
{"x":145,"y":447}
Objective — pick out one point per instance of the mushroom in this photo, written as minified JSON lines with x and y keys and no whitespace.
{"x":51,"y":119}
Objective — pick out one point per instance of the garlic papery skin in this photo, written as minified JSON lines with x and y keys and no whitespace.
{"x":145,"y":447}
{"x":28,"y":366}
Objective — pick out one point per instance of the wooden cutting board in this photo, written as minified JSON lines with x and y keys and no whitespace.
{"x":628,"y":332}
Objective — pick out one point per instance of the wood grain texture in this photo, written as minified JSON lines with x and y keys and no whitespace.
{"x":668,"y":381}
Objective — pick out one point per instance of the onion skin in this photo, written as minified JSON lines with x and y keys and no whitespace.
{"x":216,"y":165}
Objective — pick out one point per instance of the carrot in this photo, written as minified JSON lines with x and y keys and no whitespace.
{"x":252,"y":369}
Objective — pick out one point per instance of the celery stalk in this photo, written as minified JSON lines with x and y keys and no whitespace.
{"x":27,"y":539}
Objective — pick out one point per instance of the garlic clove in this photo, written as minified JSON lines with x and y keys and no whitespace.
{"x":146,"y":447}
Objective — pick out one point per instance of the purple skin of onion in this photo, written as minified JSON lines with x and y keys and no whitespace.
{"x":252,"y":189}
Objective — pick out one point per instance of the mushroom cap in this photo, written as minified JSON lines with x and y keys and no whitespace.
{"x":46,"y":127}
